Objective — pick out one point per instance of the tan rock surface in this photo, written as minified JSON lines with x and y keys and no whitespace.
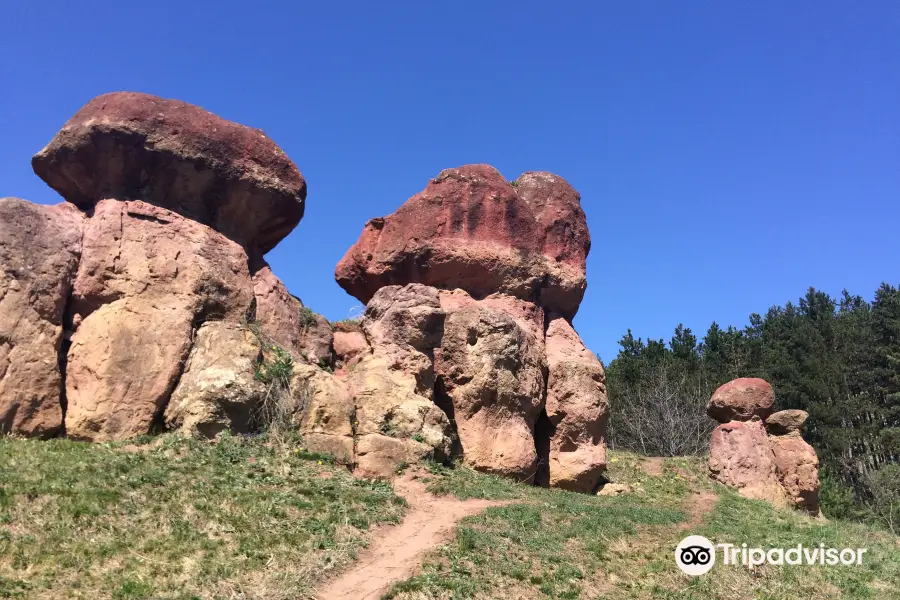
{"x":577,"y":407}
{"x":218,"y":390}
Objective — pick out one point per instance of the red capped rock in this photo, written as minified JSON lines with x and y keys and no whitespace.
{"x":471,"y":229}
{"x":39,"y":251}
{"x":741,"y":400}
{"x":175,"y":155}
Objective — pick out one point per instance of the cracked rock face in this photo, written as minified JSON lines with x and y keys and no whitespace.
{"x":147,"y":277}
{"x":492,"y":372}
{"x":39,"y":251}
{"x":132,"y":146}
{"x":471,"y":229}
{"x":218,"y":391}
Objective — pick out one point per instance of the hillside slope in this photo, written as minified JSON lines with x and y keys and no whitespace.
{"x":263,"y":519}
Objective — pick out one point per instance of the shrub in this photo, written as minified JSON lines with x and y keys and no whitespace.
{"x":307,"y":317}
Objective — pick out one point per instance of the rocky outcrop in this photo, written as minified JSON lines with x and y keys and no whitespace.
{"x":471,"y":286}
{"x":779,"y":466}
{"x":148,"y":277}
{"x":471,"y":229}
{"x":39,"y":251}
{"x":133,"y":292}
{"x":177,"y":156}
{"x":145,"y":303}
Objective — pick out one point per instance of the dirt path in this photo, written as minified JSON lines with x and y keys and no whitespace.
{"x":396,"y":551}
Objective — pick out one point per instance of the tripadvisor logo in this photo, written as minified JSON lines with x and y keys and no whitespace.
{"x":696,"y":555}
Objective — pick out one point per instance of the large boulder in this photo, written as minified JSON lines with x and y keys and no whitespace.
{"x":562,"y":229}
{"x":741,"y":400}
{"x":39,"y":252}
{"x":147,"y":278}
{"x":218,"y":390}
{"x":132,"y":146}
{"x":490,"y":378}
{"x":471,"y":229}
{"x":740,"y":457}
{"x":577,"y":410}
{"x":797,"y":467}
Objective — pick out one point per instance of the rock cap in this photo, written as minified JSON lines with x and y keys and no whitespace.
{"x":741,"y":400}
{"x":133,"y":146}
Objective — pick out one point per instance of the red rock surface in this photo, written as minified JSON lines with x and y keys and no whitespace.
{"x":741,"y":400}
{"x":471,"y":229}
{"x":740,"y":456}
{"x":132,"y":146}
{"x":39,"y":251}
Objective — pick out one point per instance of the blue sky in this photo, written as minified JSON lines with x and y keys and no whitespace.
{"x":729,"y":154}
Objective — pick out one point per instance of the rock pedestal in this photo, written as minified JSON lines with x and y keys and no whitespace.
{"x":778,"y":466}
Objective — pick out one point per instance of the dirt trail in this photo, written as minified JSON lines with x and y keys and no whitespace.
{"x":395,"y":552}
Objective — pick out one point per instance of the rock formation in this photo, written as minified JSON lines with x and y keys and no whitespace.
{"x":471,"y":229}
{"x":471,"y":286}
{"x":143,"y":303}
{"x":133,"y":305}
{"x":778,"y":466}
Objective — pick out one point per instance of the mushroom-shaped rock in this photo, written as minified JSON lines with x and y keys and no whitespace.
{"x":39,"y":251}
{"x":473,"y":230}
{"x":786,"y":421}
{"x":132,"y":146}
{"x":741,"y":400}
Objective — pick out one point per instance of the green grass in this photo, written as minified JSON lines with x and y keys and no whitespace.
{"x":552,"y":544}
{"x":178,"y":518}
{"x":263,"y":519}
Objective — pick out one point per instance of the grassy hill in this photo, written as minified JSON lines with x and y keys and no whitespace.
{"x":262,"y":519}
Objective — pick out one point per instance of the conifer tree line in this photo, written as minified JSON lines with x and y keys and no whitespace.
{"x":837,"y":359}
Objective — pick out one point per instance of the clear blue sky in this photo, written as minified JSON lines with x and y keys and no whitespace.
{"x":729,"y":154}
